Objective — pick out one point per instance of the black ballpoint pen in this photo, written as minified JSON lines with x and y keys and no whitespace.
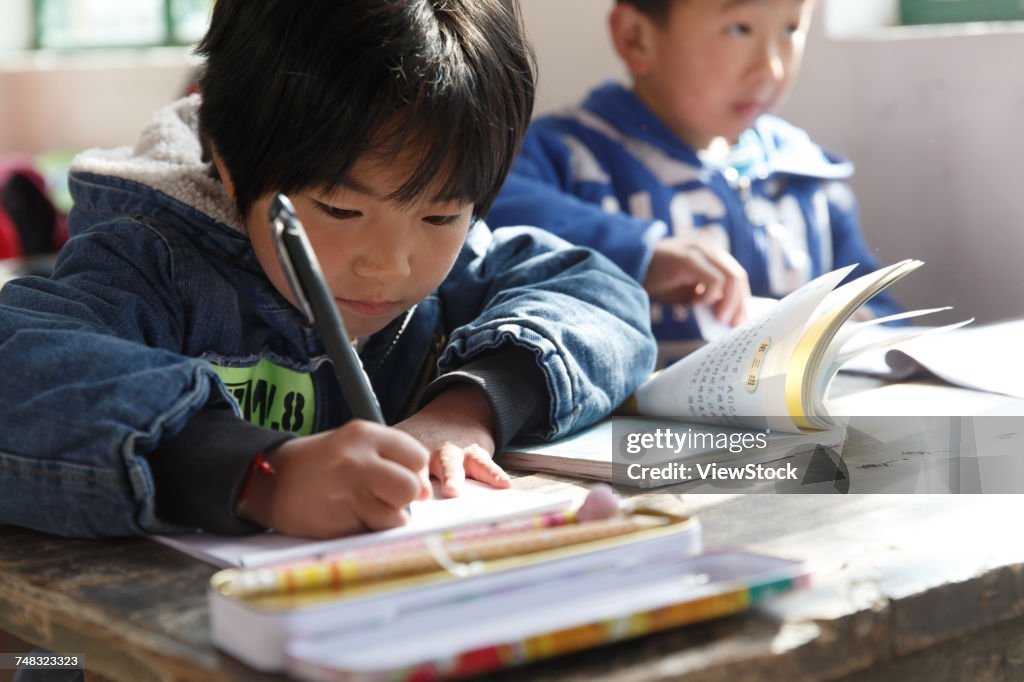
{"x":306,"y":280}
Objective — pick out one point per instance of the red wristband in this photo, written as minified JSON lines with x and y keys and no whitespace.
{"x":259,"y":465}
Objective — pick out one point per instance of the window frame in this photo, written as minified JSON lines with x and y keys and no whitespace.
{"x":933,"y":12}
{"x":171,"y":23}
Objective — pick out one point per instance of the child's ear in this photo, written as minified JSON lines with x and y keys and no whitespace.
{"x":222,"y":173}
{"x":632,"y":37}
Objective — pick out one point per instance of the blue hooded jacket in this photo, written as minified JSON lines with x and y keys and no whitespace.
{"x":612,"y":176}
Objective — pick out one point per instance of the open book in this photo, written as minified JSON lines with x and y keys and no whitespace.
{"x":770,"y":376}
{"x":774,"y":371}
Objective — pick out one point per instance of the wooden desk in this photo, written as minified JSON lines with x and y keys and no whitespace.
{"x":907,"y":587}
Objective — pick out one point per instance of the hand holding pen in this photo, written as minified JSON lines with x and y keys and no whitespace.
{"x":360,"y":476}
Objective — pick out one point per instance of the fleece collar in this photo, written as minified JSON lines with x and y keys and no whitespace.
{"x":167,"y":158}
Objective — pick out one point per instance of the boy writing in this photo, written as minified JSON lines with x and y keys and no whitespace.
{"x":163,"y":379}
{"x":685,"y":180}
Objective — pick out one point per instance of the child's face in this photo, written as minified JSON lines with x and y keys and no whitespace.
{"x":379,"y":258}
{"x":716,"y":65}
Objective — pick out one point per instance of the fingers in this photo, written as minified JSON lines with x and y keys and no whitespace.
{"x":380,"y":486}
{"x":363,"y":476}
{"x":447,"y":464}
{"x":734,"y":315}
{"x":731,"y":306}
{"x":694,"y":271}
{"x":378,"y":514}
{"x":390,"y":483}
{"x":709,"y":278}
{"x":452,"y":464}
{"x":396,"y":446}
{"x":377,"y":471}
{"x":481,"y":467}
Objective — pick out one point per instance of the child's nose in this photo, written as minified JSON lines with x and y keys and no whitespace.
{"x":771,"y":62}
{"x":386,"y":258}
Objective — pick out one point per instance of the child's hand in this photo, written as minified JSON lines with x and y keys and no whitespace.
{"x":357,"y":477}
{"x":690,"y":270}
{"x":456,"y":429}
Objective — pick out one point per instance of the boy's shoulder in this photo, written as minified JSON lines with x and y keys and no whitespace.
{"x":609,"y":108}
{"x":790,"y":150}
{"x":595,"y":113}
{"x":610,"y":128}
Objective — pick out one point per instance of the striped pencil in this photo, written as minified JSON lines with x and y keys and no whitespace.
{"x":600,"y":503}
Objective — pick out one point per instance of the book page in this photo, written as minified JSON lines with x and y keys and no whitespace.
{"x":807,"y":379}
{"x":740,"y":379}
{"x":477,"y":504}
{"x":982,"y":358}
{"x":711,"y":328}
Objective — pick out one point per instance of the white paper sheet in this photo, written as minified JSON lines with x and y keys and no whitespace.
{"x":983,"y":358}
{"x":477,"y":504}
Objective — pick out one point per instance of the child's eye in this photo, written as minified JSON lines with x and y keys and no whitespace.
{"x":441,"y":219}
{"x":792,"y":29}
{"x":738,"y":29}
{"x":338,"y":213}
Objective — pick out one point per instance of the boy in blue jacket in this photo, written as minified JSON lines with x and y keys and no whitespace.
{"x":163,"y":380}
{"x":685,"y":180}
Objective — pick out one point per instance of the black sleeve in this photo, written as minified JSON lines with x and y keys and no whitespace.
{"x":514,"y":386}
{"x":198,"y":472}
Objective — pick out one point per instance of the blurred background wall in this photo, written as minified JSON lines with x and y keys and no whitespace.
{"x":928,"y":115}
{"x":70,"y":100}
{"x":96,"y":100}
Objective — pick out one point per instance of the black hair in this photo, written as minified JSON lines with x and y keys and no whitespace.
{"x":295,"y":91}
{"x":657,"y":10}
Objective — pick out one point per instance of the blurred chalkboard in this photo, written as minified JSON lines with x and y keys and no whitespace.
{"x":959,"y":11}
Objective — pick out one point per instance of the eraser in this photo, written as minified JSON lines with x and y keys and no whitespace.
{"x":601,"y":503}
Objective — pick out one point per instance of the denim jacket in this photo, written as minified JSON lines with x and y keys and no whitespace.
{"x":158,"y":308}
